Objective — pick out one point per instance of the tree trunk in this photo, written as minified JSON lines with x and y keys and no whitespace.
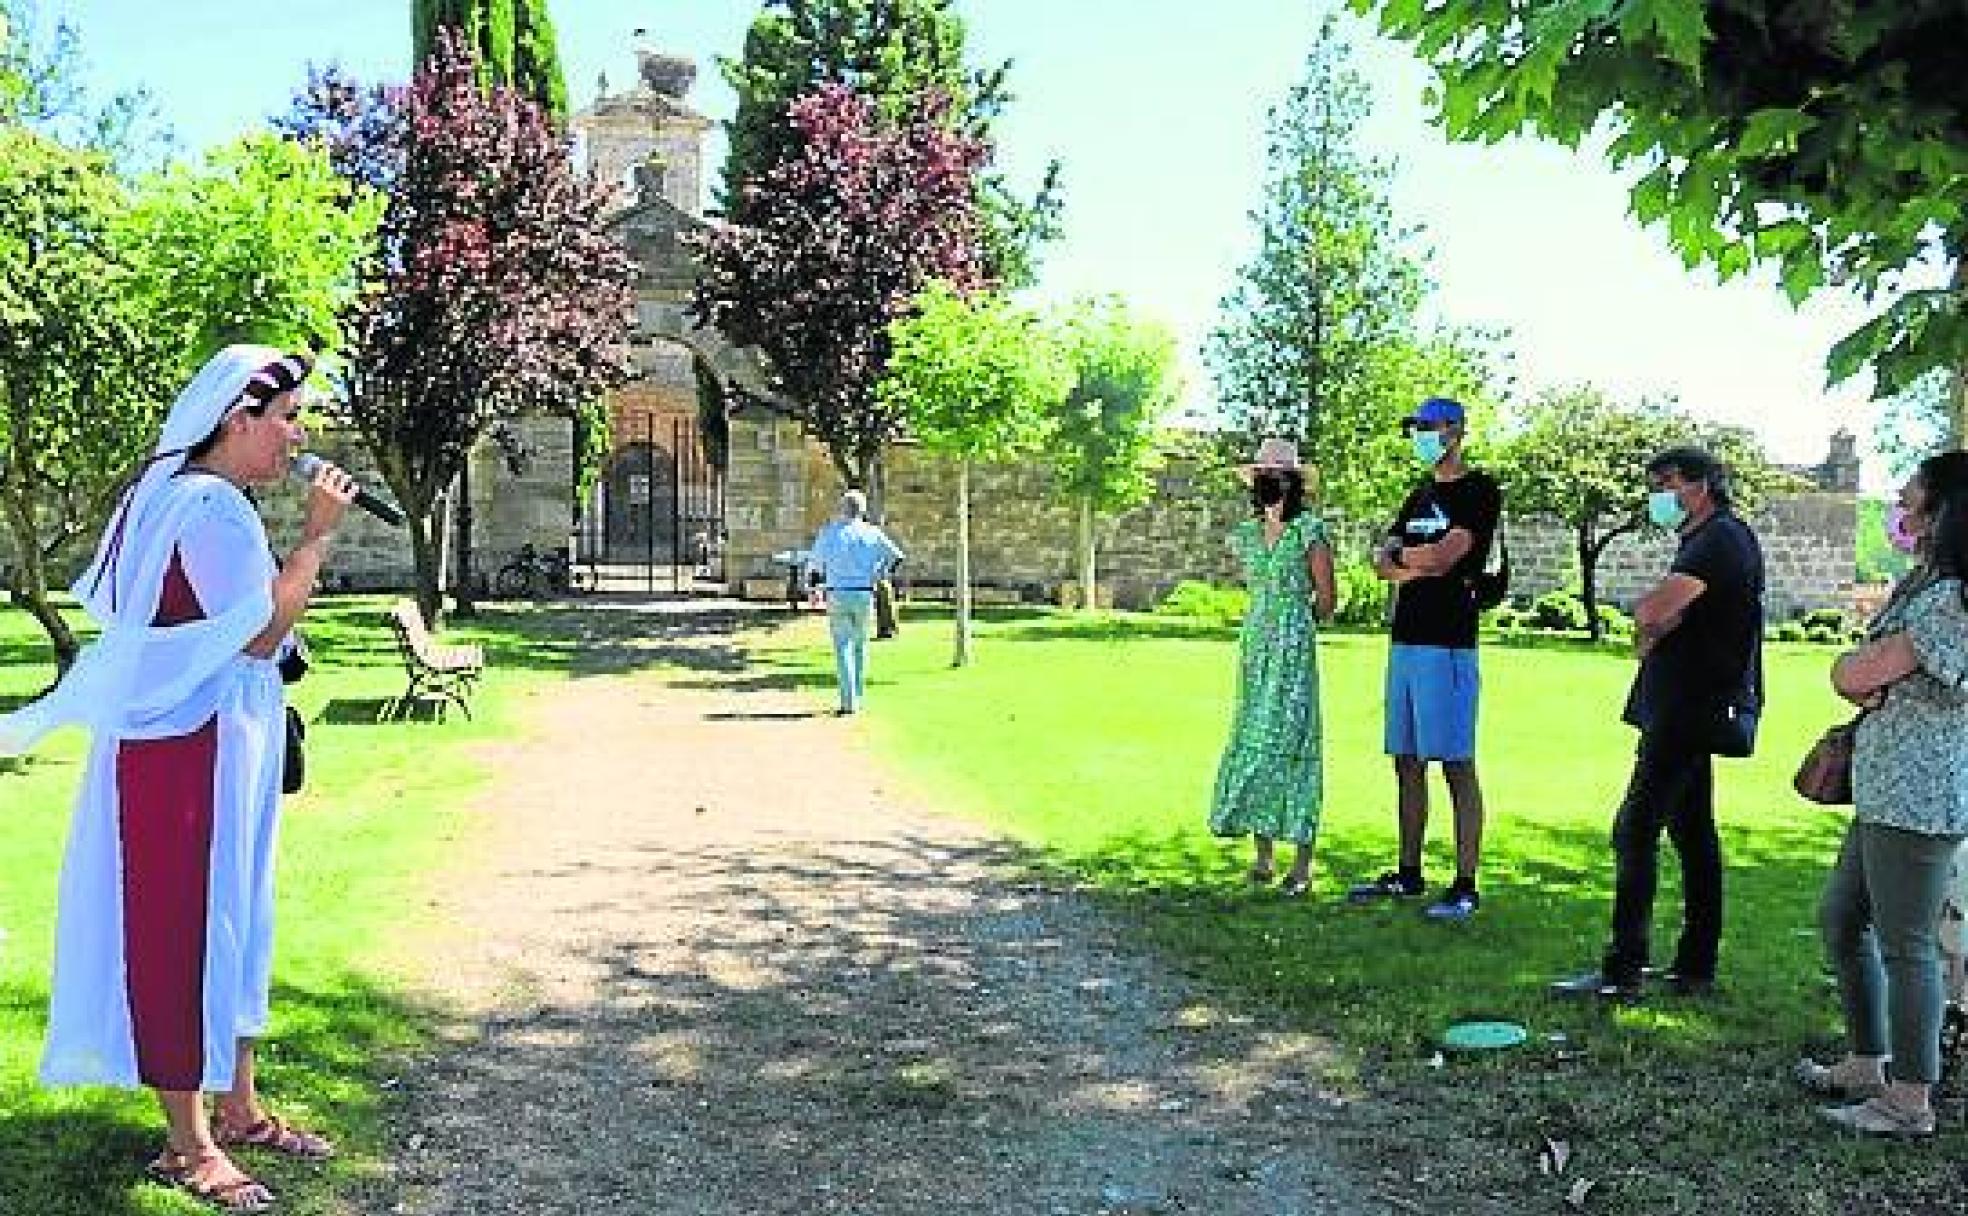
{"x":1958,"y":395}
{"x":1588,"y":555}
{"x":1089,"y":600}
{"x":465,"y":591}
{"x":28,"y":588}
{"x":422,"y":525}
{"x":961,"y":658}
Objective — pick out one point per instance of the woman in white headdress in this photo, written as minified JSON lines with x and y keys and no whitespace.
{"x":164,"y":940}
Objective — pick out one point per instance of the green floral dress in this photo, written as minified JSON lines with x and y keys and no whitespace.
{"x":1271,"y":780}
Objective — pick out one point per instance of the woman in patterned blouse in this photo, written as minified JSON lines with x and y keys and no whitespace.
{"x":1882,"y":902}
{"x":1270,"y":784}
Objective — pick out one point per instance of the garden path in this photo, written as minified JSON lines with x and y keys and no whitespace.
{"x":717,"y":962}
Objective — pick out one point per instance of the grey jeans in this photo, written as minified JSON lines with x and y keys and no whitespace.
{"x":1880,"y":918}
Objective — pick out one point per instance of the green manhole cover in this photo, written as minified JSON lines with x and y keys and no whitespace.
{"x":1484,"y":1036}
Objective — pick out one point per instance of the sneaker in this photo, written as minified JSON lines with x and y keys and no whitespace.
{"x":1458,"y":903}
{"x":1391,"y":885}
{"x":1879,"y":1117}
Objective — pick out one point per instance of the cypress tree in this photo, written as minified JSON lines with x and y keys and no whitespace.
{"x":512,"y":40}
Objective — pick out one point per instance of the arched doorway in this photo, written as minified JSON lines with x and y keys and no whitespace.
{"x":654,"y":519}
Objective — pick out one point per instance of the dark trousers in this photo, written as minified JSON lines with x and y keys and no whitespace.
{"x":1672,"y":788}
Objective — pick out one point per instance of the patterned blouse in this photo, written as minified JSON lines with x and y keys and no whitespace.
{"x":1910,"y":760}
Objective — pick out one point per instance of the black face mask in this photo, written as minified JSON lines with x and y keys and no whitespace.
{"x":1268,"y":489}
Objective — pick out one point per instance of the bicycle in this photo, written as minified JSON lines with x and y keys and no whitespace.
{"x":533,"y":574}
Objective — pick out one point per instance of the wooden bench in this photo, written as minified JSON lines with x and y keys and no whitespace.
{"x":445,"y":674}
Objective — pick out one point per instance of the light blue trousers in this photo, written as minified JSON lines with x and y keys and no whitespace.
{"x":849,"y":614}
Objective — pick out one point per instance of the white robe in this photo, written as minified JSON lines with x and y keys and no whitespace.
{"x":161,"y":682}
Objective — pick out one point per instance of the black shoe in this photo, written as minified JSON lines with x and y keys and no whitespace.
{"x":1683,"y":983}
{"x":1391,"y":885}
{"x":1596,"y":985}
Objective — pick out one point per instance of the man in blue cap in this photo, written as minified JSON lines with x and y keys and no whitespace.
{"x":1434,"y":551}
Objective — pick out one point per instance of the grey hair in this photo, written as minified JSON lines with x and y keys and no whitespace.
{"x":854,"y":504}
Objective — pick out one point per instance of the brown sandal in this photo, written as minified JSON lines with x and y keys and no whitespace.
{"x":180,"y":1172}
{"x":275,"y":1135}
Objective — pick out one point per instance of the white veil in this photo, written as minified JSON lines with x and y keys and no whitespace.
{"x":121,"y":586}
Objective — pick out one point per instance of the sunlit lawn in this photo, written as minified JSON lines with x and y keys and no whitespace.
{"x":1096,"y":744}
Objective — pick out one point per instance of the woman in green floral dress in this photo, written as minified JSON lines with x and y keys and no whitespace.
{"x":1270,"y":785}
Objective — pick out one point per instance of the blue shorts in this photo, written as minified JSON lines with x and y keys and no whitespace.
{"x":1432,"y":693}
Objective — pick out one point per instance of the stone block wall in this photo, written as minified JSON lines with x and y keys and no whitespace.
{"x":508,"y":509}
{"x":781,"y":489}
{"x":1809,"y":553}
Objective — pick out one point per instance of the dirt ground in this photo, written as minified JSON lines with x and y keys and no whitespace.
{"x":716,"y":962}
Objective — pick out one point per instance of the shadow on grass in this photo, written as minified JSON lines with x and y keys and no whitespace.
{"x":575,"y":638}
{"x":379,"y":711}
{"x":335,"y":1046}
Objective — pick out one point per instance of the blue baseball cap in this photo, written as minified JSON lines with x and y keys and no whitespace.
{"x":1435,"y":411}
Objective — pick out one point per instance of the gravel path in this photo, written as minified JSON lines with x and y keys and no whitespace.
{"x":718,"y":965}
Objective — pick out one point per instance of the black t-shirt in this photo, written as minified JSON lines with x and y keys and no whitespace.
{"x":1440,"y":610}
{"x":1714,"y":658}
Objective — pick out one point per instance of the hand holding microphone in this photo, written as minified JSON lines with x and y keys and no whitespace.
{"x":340,"y":487}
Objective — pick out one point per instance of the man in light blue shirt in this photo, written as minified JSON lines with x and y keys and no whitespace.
{"x":851,"y":555}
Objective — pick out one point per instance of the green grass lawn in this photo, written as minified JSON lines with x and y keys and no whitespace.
{"x":353,"y":867}
{"x":1096,"y":744}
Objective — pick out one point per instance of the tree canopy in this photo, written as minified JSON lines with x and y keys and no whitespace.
{"x":889,"y":52}
{"x":1829,"y":140}
{"x":1105,"y":437}
{"x":977,"y":379}
{"x":837,"y":245}
{"x":495,"y":291}
{"x":259,"y":243}
{"x":1321,"y":337}
{"x":82,"y":384}
{"x":1578,"y":456}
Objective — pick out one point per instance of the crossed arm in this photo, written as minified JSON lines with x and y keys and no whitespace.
{"x":1861,"y":675}
{"x":1422,"y":561}
{"x":1661,"y":611}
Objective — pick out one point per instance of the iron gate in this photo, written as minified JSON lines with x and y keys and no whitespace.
{"x":655,"y":518}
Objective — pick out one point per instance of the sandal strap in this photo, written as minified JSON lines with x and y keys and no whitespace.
{"x":273,"y":1132}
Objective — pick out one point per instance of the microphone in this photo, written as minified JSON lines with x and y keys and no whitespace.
{"x":307,"y":464}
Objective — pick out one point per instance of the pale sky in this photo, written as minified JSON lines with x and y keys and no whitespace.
{"x":1157,"y":109}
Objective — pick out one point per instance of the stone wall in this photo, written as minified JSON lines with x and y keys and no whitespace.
{"x":508,"y":510}
{"x":1809,"y":551}
{"x":781,"y":489}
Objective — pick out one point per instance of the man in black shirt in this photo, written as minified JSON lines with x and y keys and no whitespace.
{"x":1698,"y":694}
{"x":1433,"y":552}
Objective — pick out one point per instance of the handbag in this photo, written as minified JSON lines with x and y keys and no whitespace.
{"x":1825,"y":776}
{"x":1734,"y":733}
{"x":293,"y":761}
{"x":294,"y":664}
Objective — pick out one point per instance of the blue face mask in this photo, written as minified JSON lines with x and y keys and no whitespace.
{"x":1665,"y":509}
{"x":1429,"y":447}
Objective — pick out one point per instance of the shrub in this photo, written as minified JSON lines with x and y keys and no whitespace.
{"x":1557,"y":611}
{"x":1206,"y":602}
{"x":1789,"y":631}
{"x":1364,"y":597}
{"x":1614,"y":623}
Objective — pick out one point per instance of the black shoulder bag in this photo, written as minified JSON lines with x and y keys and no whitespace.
{"x":293,"y":763}
{"x":1492,"y":587}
